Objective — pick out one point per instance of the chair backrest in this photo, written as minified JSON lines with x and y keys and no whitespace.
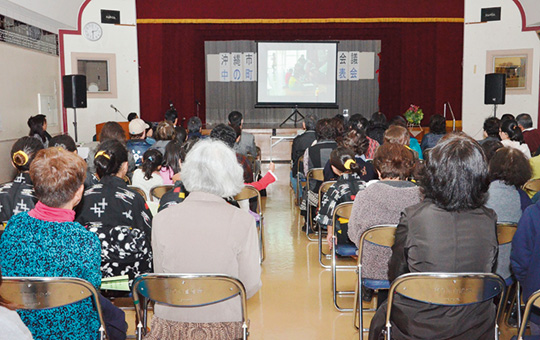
{"x":323,"y":189}
{"x":139,"y":191}
{"x":249,"y":192}
{"x":532,"y":186}
{"x":298,"y":165}
{"x":49,"y":292}
{"x":343,"y":210}
{"x":534,"y":300}
{"x":505,"y":232}
{"x":316,"y":174}
{"x":160,"y":190}
{"x":446,"y":289}
{"x":382,"y":235}
{"x":188,"y":290}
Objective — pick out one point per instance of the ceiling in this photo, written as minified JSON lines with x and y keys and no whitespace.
{"x":50,"y":15}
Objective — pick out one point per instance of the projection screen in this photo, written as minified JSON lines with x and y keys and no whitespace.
{"x":296,"y":74}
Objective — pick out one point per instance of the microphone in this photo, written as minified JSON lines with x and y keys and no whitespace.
{"x":118,"y":111}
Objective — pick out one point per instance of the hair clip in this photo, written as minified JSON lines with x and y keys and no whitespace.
{"x":23,"y":154}
{"x":348,"y":163}
{"x":102,"y":153}
{"x":151,"y":158}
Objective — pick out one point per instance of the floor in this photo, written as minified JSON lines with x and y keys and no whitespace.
{"x":295,"y":301}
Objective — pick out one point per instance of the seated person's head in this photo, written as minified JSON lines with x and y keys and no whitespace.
{"x":235,"y":119}
{"x":112,"y":130}
{"x":397,"y":134}
{"x":355,"y":121}
{"x":510,"y":166}
{"x":524,"y":121}
{"x":310,"y":121}
{"x":132,"y":115}
{"x":58,"y":177}
{"x":165,"y":131}
{"x":181,"y":134}
{"x":492,"y":126}
{"x":137,"y":129}
{"x":23,"y":152}
{"x":437,"y":125}
{"x":378,"y":118}
{"x":111,"y":159}
{"x":171,"y":116}
{"x":211,"y":167}
{"x":175,"y":155}
{"x":490,"y":147}
{"x":152,"y":162}
{"x":507,"y":116}
{"x":339,"y":126}
{"x":325,"y":130}
{"x":356,"y":141}
{"x":394,"y":161}
{"x":342,"y":161}
{"x":456,"y":173}
{"x":194,"y":125}
{"x":399,"y":121}
{"x":224,"y":133}
{"x":63,"y":141}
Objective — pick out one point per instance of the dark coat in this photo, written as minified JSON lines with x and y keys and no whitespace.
{"x":431,"y":239}
{"x":299,"y":146}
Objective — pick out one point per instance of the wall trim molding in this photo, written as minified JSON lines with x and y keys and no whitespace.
{"x":302,"y":21}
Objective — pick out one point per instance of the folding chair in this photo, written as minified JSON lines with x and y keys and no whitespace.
{"x":185,"y":290}
{"x":505,"y":234}
{"x":322,"y":190}
{"x":343,"y":210}
{"x":138,"y":190}
{"x":50,"y":292}
{"x":380,"y":235}
{"x":532,"y":302}
{"x":159,"y":190}
{"x":315,"y":174}
{"x":300,"y":180}
{"x":446,"y":289}
{"x":247,"y":193}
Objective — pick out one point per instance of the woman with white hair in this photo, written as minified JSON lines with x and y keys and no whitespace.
{"x":205,"y":234}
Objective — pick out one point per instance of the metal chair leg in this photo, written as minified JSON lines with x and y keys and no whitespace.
{"x":321,"y":254}
{"x":335,"y":267}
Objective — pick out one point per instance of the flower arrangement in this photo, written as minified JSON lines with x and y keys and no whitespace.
{"x":414,"y":115}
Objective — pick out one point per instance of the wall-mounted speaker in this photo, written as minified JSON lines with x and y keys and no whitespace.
{"x":74,"y":90}
{"x":495,"y":89}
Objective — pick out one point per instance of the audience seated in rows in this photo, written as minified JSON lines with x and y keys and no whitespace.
{"x":508,"y":171}
{"x":224,"y":241}
{"x":137,"y":144}
{"x":492,"y":127}
{"x":348,"y":184}
{"x":382,"y":203}
{"x":511,"y":136}
{"x":531,"y":136}
{"x":18,"y":196}
{"x":246,"y":145}
{"x":376,"y":127}
{"x":110,"y":131}
{"x":38,"y":129}
{"x":356,"y":141}
{"x":413,"y":142}
{"x":47,"y":242}
{"x":437,"y":129}
{"x":148,"y":176}
{"x":165,"y":133}
{"x":119,"y":217}
{"x":449,"y":231}
{"x":357,"y":121}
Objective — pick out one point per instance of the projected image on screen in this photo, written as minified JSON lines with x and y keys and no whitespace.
{"x":296,"y":73}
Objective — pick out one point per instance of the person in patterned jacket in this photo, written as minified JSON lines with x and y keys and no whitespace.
{"x":348,"y":184}
{"x":119,"y":216}
{"x":18,"y":196}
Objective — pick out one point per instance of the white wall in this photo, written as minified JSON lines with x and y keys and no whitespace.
{"x":496,"y":35}
{"x":24,"y":74}
{"x":120,"y":40}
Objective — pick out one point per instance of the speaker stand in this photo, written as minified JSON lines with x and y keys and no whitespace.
{"x":75,"y":124}
{"x":293,"y":116}
{"x":495,"y":110}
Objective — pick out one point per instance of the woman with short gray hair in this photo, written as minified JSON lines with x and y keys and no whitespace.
{"x":205,"y":234}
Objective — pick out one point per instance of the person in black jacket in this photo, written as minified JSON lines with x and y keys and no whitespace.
{"x":299,"y":146}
